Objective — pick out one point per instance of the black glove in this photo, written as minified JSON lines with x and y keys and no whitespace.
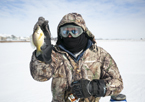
{"x":46,"y":47}
{"x":84,"y":88}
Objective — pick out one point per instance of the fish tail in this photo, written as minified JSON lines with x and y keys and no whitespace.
{"x":38,"y":52}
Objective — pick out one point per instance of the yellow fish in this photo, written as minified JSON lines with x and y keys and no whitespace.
{"x":38,"y":40}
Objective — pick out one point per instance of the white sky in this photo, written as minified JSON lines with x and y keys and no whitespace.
{"x":105,"y":18}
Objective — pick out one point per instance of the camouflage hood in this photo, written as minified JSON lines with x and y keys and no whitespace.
{"x":78,"y":20}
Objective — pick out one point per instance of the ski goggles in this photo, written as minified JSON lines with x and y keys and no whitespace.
{"x":75,"y":31}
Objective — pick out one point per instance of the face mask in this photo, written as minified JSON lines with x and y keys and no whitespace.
{"x":75,"y":45}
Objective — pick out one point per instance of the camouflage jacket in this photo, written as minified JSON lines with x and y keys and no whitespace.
{"x":94,"y":63}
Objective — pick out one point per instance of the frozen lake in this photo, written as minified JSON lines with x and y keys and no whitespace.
{"x":17,"y":85}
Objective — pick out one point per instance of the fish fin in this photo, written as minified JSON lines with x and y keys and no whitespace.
{"x":40,"y":35}
{"x":38,"y":52}
{"x":31,"y":42}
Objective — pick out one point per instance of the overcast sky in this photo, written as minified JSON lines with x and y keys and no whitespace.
{"x":105,"y":18}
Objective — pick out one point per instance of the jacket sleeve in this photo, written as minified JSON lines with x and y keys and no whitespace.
{"x":41,"y":71}
{"x":111,"y":75}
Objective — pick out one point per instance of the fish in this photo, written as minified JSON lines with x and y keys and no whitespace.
{"x":38,"y":40}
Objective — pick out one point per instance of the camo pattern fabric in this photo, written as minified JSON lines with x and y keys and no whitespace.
{"x":78,"y":20}
{"x":94,"y":64}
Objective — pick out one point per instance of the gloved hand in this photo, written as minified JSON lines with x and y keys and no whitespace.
{"x":84,"y":88}
{"x":46,"y":47}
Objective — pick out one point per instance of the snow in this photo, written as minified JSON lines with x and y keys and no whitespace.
{"x":5,"y":35}
{"x":17,"y":85}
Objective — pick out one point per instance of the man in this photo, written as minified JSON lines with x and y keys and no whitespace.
{"x":76,"y":64}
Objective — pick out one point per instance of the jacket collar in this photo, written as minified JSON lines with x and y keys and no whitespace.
{"x":80,"y":55}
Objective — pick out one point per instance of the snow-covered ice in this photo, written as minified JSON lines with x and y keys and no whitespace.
{"x":17,"y":85}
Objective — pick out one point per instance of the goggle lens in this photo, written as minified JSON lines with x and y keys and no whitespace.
{"x":75,"y":31}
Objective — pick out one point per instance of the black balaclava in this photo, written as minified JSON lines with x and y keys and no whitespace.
{"x":75,"y":45}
